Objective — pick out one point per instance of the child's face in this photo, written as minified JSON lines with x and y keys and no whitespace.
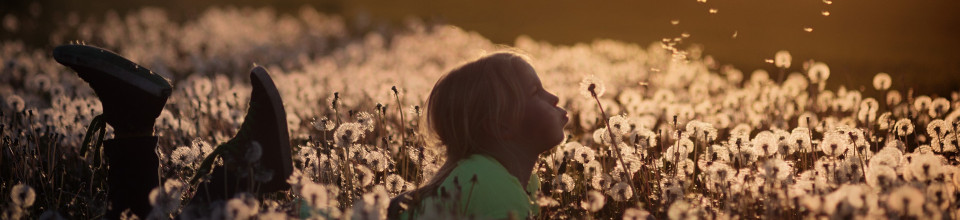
{"x":542,"y":124}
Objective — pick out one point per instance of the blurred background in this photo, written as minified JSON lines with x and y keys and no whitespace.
{"x":916,"y":42}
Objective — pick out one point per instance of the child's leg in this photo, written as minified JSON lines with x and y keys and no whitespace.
{"x":132,"y":97}
{"x":132,"y":174}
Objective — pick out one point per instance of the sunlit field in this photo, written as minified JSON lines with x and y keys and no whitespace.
{"x":668,"y":133}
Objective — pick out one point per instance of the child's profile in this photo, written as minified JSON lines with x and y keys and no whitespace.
{"x":493,"y":118}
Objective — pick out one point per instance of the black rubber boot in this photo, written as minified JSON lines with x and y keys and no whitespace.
{"x":132,"y":98}
{"x":258,"y":154}
{"x":132,"y":174}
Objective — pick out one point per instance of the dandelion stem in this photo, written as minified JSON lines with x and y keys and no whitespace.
{"x":613,"y":140}
{"x":403,"y":122}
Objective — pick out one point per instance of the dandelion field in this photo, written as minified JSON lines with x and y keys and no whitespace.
{"x":680,"y":136}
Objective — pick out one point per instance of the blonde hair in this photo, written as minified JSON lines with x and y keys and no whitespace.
{"x":468,"y":107}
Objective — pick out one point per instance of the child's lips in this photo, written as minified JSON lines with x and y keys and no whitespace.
{"x":564,"y":116}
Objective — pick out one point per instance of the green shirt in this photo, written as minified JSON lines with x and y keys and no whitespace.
{"x":495,"y":195}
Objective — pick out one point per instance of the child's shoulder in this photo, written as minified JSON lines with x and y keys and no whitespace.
{"x":486,"y":189}
{"x":480,"y":168}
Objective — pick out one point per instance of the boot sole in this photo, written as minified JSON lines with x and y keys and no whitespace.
{"x":260,"y":76}
{"x":114,"y":65}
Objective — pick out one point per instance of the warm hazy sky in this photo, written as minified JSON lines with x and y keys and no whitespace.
{"x":916,"y":41}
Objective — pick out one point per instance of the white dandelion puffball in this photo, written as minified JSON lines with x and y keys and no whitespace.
{"x":782,"y":59}
{"x":348,"y":133}
{"x":593,"y":202}
{"x":818,"y":72}
{"x":592,"y":85}
{"x":903,"y":127}
{"x":906,"y":200}
{"x":23,"y":195}
{"x":620,"y":192}
{"x":882,"y":81}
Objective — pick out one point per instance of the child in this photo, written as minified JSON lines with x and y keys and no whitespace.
{"x":495,"y":118}
{"x":133,"y":97}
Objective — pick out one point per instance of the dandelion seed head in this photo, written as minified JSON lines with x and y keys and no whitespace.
{"x":882,"y":81}
{"x":818,"y":72}
{"x":766,"y":143}
{"x":565,"y":183}
{"x":938,"y":106}
{"x":782,"y":59}
{"x":15,"y":102}
{"x":922,"y":103}
{"x":184,"y":156}
{"x":238,"y":208}
{"x":593,"y":202}
{"x":893,"y":97}
{"x":881,"y":177}
{"x":680,"y":210}
{"x":23,"y":195}
{"x":584,"y":155}
{"x":620,"y":192}
{"x":602,"y":181}
{"x":903,"y":127}
{"x":377,"y":197}
{"x":636,"y":214}
{"x":906,"y":200}
{"x":592,"y":86}
{"x":347,"y":133}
